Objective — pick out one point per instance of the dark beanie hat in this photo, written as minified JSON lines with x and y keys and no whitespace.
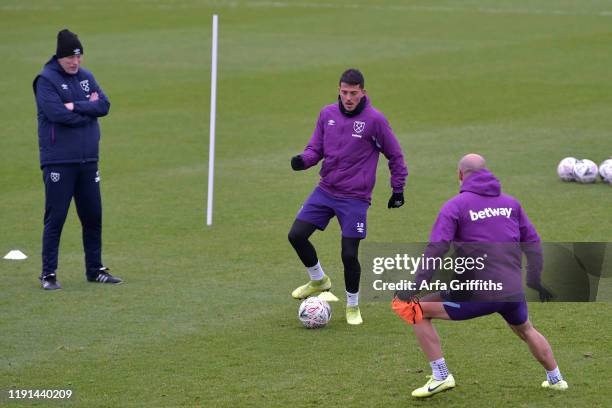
{"x":68,"y":44}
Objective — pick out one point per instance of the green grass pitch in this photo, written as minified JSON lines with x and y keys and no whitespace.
{"x":205,"y":317}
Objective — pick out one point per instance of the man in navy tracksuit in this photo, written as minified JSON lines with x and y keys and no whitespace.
{"x":69,"y":103}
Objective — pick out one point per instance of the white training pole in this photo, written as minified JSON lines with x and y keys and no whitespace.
{"x":213,"y":109}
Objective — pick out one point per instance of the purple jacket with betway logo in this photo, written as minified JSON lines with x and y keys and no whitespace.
{"x":349,"y":147}
{"x":482,"y":214}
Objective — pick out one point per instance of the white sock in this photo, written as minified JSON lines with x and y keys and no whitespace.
{"x":554,"y":376}
{"x":316,"y":272}
{"x":352,"y":299}
{"x":439,"y":370}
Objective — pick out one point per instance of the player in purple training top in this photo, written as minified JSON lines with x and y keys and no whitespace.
{"x":481,"y":213}
{"x":348,"y":137}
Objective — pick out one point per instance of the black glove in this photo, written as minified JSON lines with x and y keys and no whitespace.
{"x":545,"y":294}
{"x":297,"y":163}
{"x":406,"y":295}
{"x":396,"y":200}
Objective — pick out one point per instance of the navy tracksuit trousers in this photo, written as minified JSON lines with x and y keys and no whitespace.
{"x":62,"y":182}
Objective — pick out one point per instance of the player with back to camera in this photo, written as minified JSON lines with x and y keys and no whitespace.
{"x":480,"y":192}
{"x":348,"y":137}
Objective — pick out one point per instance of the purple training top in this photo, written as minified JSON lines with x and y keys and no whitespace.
{"x":349,"y":147}
{"x":477,"y":220}
{"x":482,"y":213}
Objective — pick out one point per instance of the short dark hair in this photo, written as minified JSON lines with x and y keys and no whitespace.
{"x":352,"y":76}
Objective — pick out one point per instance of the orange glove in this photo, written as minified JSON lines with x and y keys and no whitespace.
{"x":412,"y":312}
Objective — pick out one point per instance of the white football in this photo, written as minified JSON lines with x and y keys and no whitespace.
{"x":565,"y":169}
{"x":314,"y":313}
{"x":585,"y":171}
{"x":605,"y":171}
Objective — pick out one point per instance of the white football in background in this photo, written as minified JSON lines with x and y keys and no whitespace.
{"x":565,"y":169}
{"x":605,"y":171}
{"x":585,"y":171}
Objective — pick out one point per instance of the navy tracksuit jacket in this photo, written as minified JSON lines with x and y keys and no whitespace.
{"x":69,"y":144}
